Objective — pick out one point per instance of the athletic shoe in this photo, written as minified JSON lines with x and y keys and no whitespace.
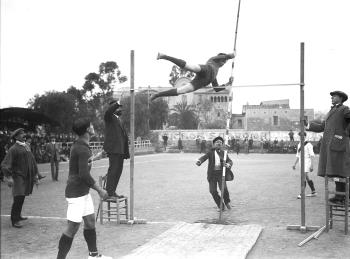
{"x":313,"y":194}
{"x":159,"y":55}
{"x":100,"y":257}
{"x":228,"y":205}
{"x":299,"y":196}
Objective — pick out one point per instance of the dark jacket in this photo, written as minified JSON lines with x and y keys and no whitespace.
{"x":53,"y":151}
{"x":79,"y":178}
{"x":116,"y":138}
{"x":19,"y":163}
{"x":211,"y":156}
{"x":335,"y":148}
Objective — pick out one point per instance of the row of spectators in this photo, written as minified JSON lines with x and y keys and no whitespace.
{"x":262,"y":146}
{"x":38,"y":144}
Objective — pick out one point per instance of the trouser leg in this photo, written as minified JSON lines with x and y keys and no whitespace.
{"x":52,"y":163}
{"x":115,"y":169}
{"x":16,"y":209}
{"x":214,"y":192}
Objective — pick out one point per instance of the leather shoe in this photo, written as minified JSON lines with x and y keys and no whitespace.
{"x":41,"y":177}
{"x":23,"y":218}
{"x":337,"y":200}
{"x":17,"y":224}
{"x":116,"y":195}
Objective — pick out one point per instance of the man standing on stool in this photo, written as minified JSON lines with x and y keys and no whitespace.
{"x":80,"y":205}
{"x":115,"y":145}
{"x":334,"y":158}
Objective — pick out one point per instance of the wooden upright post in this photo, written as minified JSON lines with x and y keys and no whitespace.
{"x":132,"y":133}
{"x":302,"y":137}
{"x":302,"y":227}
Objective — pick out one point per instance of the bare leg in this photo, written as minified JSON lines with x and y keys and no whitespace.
{"x":187,"y":88}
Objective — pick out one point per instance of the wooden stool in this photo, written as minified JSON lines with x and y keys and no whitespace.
{"x":335,"y":209}
{"x":116,"y":207}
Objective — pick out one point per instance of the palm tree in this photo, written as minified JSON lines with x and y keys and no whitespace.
{"x":184,"y":116}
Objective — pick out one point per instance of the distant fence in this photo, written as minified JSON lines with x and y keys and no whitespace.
{"x":98,"y":145}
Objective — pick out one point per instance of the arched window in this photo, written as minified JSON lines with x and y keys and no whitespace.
{"x":222,"y":99}
{"x":211,"y":99}
{"x":218,"y":98}
{"x":225,"y":98}
{"x":214,"y":99}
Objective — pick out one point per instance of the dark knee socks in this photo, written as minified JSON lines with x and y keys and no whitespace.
{"x":90,"y":238}
{"x":311,"y":184}
{"x":181,"y":63}
{"x":64,"y":246}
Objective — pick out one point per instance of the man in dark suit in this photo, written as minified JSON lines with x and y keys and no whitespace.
{"x":214,"y":172}
{"x":115,"y":145}
{"x":21,"y":172}
{"x":53,"y":152}
{"x":334,"y":158}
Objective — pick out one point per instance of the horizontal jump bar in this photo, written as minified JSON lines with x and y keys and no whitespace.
{"x":266,"y":85}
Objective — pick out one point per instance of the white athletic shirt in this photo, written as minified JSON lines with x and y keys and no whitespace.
{"x":308,"y":154}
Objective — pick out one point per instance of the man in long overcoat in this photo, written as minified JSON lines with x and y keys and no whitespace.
{"x":21,"y":172}
{"x":115,"y":145}
{"x":334,"y":160}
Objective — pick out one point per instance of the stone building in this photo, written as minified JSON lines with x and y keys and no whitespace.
{"x":269,"y":116}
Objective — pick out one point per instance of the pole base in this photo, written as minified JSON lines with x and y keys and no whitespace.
{"x":303,"y":229}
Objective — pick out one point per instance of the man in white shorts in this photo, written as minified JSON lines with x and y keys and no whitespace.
{"x":80,"y":205}
{"x":309,"y":167}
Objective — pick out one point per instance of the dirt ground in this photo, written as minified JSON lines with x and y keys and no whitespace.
{"x":170,"y":188}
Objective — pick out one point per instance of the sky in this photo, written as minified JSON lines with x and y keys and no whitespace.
{"x":51,"y":45}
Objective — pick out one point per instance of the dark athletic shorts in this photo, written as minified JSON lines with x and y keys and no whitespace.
{"x":204,"y":77}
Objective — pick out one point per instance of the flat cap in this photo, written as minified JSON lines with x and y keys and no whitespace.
{"x":218,"y":138}
{"x":16,"y":132}
{"x":343,"y":95}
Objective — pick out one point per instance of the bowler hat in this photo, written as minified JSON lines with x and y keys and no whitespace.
{"x":218,"y":138}
{"x":343,"y":95}
{"x":16,"y":132}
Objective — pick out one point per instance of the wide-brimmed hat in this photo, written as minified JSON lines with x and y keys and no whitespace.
{"x":16,"y":132}
{"x":218,"y":138}
{"x":343,"y":95}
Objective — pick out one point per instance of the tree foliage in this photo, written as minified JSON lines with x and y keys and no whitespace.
{"x":184,"y":116}
{"x":59,"y":106}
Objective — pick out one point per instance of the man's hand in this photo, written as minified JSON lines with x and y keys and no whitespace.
{"x":311,"y":168}
{"x":227,"y":165}
{"x":198,"y":163}
{"x":293,"y":167}
{"x":103,"y":194}
{"x":9,"y":182}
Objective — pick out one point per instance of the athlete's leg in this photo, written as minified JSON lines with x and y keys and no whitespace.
{"x":90,"y":233}
{"x":180,"y":62}
{"x":66,"y":239}
{"x":187,"y":88}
